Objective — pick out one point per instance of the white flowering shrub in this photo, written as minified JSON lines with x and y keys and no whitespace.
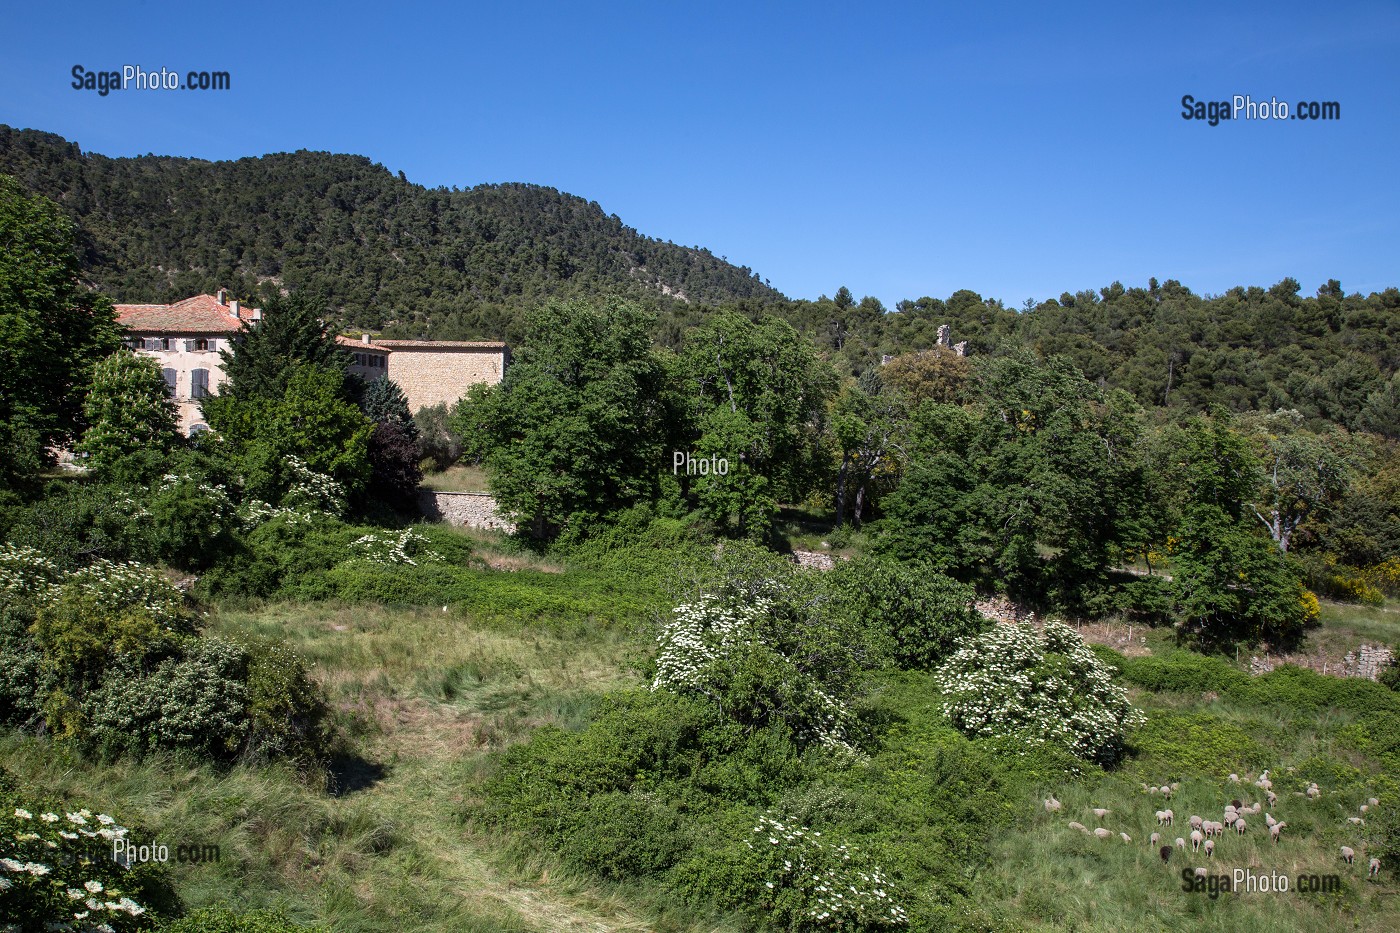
{"x":1039,"y":687}
{"x":57,"y":872}
{"x":311,"y":491}
{"x":734,"y":654}
{"x":814,"y":884}
{"x":120,"y":587}
{"x":26,"y":572}
{"x":395,"y":547}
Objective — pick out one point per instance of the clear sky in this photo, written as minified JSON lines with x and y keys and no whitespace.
{"x":1017,"y":149}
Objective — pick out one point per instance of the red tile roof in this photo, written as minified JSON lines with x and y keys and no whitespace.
{"x":202,"y":314}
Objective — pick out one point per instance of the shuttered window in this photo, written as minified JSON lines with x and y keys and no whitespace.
{"x":199,"y":383}
{"x":170,"y":379}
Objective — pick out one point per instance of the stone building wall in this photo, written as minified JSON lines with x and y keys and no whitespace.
{"x":432,"y":373}
{"x":464,"y":509}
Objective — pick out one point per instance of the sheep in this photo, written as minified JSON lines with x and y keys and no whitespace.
{"x":1125,"y":837}
{"x":1356,"y":821}
{"x":1273,"y":798}
{"x":1374,"y":869}
{"x":1196,"y":838}
{"x":1275,"y":830}
{"x":1374,"y":801}
{"x":1165,"y":791}
{"x":1165,"y":853}
{"x":1364,"y":808}
{"x":1269,"y":819}
{"x":1235,"y":804}
{"x":1210,"y":848}
{"x":1154,"y":839}
{"x":1101,"y":812}
{"x":1079,"y":826}
{"x":1239,"y":827}
{"x":1202,"y":873}
{"x":1052,"y":805}
{"x":1165,"y":816}
{"x":1102,"y":833}
{"x":1348,"y":854}
{"x":1233,"y":778}
{"x":1313,"y":791}
{"x":1195,"y":821}
{"x":1180,"y":843}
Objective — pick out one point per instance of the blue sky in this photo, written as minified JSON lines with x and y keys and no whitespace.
{"x":1017,"y":149}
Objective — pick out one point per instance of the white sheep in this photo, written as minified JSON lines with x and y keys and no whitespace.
{"x":1269,"y":819}
{"x":1196,"y":838}
{"x":1356,"y":821}
{"x":1348,"y":854}
{"x":1273,"y":797}
{"x":1180,"y":843}
{"x":1195,"y":821}
{"x":1101,"y":812}
{"x":1165,"y":816}
{"x":1202,"y":873}
{"x":1374,"y":869}
{"x":1079,"y":826}
{"x":1233,"y":778}
{"x":1154,"y":840}
{"x":1102,"y":833}
{"x":1374,"y":801}
{"x":1165,"y":791}
{"x":1364,"y":808}
{"x":1239,"y":827}
{"x":1125,"y":837}
{"x":1052,"y":805}
{"x":1210,"y":848}
{"x":1275,"y":830}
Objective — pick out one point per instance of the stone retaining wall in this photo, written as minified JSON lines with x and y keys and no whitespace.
{"x":466,"y":509}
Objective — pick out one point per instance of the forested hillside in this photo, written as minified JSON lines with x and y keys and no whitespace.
{"x":381,"y":250}
{"x":1332,"y":356}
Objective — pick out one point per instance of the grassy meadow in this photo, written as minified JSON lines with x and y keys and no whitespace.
{"x":425,"y":696}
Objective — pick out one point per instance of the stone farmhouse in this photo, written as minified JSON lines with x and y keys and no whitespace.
{"x":186,"y":337}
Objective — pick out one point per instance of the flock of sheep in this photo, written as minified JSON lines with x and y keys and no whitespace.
{"x":1204,"y":832}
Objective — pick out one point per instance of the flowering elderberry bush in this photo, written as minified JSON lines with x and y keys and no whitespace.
{"x":1040,"y":687}
{"x":815,"y":884}
{"x":57,"y":871}
{"x":736,"y":656}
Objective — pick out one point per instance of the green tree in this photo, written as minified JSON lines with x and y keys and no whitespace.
{"x":577,"y":429}
{"x":128,"y":410}
{"x":867,"y":422}
{"x":383,"y":402}
{"x":52,"y":328}
{"x":267,"y":353}
{"x":756,"y":393}
{"x":1303,"y":476}
{"x":311,"y":420}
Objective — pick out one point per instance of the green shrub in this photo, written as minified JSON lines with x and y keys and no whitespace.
{"x":24,"y":681}
{"x":922,"y":612}
{"x":1182,"y":672}
{"x":287,"y":713}
{"x":190,"y":521}
{"x":195,"y":704}
{"x":619,"y":836}
{"x":76,"y":522}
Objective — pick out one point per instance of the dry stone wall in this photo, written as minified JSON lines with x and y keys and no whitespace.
{"x":464,"y":509}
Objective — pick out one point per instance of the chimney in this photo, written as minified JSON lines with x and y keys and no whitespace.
{"x":257,"y":314}
{"x":221,"y":296}
{"x":233,"y":307}
{"x":364,"y":338}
